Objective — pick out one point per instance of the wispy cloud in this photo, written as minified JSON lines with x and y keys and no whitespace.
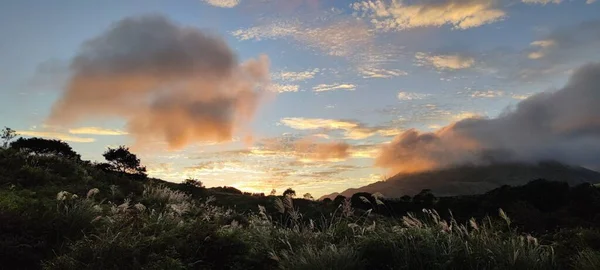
{"x":335,"y":86}
{"x":282,"y":88}
{"x":545,"y":2}
{"x":487,"y":94}
{"x":542,"y":45}
{"x":97,"y":131}
{"x":411,"y":96}
{"x":353,"y":130}
{"x":339,"y":38}
{"x":460,"y":14}
{"x":223,"y":3}
{"x":55,"y":135}
{"x":442,"y":61}
{"x":381,"y":72}
{"x":295,"y":76}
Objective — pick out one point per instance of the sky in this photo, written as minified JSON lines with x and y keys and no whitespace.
{"x":316,"y":95}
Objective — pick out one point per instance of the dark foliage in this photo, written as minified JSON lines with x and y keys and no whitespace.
{"x":226,"y":189}
{"x":122,"y":160}
{"x":289,"y":192}
{"x":7,"y":134}
{"x":40,"y":146}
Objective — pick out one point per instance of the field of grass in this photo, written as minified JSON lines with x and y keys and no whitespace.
{"x":57,"y":213}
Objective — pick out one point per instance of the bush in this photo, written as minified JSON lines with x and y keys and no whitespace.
{"x":587,"y":260}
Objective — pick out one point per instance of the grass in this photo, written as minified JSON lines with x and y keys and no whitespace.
{"x":85,"y":218}
{"x":173,"y":230}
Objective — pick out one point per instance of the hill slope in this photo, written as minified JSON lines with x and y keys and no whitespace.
{"x":467,"y":180}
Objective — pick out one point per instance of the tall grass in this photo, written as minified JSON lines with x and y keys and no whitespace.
{"x":167,"y":228}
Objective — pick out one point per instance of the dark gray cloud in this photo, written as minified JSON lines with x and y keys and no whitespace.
{"x":563,"y":126}
{"x":169,"y":82}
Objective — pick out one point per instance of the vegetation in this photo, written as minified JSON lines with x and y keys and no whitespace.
{"x":289,"y":192}
{"x":121,"y":160}
{"x":62,"y":213}
{"x":40,"y":146}
{"x":7,"y":134}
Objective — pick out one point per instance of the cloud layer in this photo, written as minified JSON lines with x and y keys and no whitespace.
{"x":169,"y":82}
{"x":396,"y":15}
{"x":562,"y":126}
{"x":444,"y":61}
{"x":353,"y":130}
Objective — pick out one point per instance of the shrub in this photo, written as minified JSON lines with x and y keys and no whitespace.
{"x":587,"y":260}
{"x":42,"y":146}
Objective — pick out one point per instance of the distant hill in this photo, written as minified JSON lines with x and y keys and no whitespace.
{"x":468,"y":180}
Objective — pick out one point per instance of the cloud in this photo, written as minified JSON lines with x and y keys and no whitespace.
{"x":411,"y":96}
{"x":445,"y":61}
{"x":55,"y":135}
{"x":169,"y":82}
{"x":551,"y":55}
{"x":223,"y":3}
{"x":304,"y":150}
{"x":563,"y":126}
{"x":395,"y":15}
{"x":334,"y":86}
{"x":282,"y":88}
{"x":338,"y":38}
{"x":544,"y":2}
{"x":381,"y":73}
{"x":97,"y":131}
{"x":567,"y":43}
{"x":487,"y":94}
{"x":353,"y":130}
{"x":295,"y":76}
{"x":365,"y":150}
{"x":543,"y":45}
{"x":308,"y":151}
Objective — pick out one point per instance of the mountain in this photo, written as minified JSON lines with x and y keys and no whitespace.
{"x":467,"y":180}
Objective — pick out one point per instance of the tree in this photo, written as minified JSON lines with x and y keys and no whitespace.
{"x":339,"y":199}
{"x":405,"y":198}
{"x":425,"y":198}
{"x":273,"y":192}
{"x":121,"y":160}
{"x":193,"y":183}
{"x":41,"y":146}
{"x":308,"y":196}
{"x":289,"y":192}
{"x":7,"y":134}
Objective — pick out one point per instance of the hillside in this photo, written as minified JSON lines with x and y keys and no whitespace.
{"x":467,"y":180}
{"x":60,"y":212}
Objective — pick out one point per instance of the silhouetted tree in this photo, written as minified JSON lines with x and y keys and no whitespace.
{"x":289,"y":192}
{"x":193,"y":183}
{"x":42,"y":146}
{"x":339,"y":199}
{"x":7,"y":134}
{"x":273,"y":192}
{"x":363,"y":200}
{"x":425,"y":198}
{"x":121,"y":160}
{"x":327,"y":200}
{"x":405,"y":198}
{"x":227,"y":189}
{"x":308,"y":196}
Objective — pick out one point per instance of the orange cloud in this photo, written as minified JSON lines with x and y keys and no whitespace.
{"x":562,"y":126}
{"x":308,"y":151}
{"x":169,"y":82}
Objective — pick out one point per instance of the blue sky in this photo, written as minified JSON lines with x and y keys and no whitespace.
{"x":345,"y":77}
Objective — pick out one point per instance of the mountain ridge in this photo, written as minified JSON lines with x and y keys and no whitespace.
{"x":473,"y":179}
